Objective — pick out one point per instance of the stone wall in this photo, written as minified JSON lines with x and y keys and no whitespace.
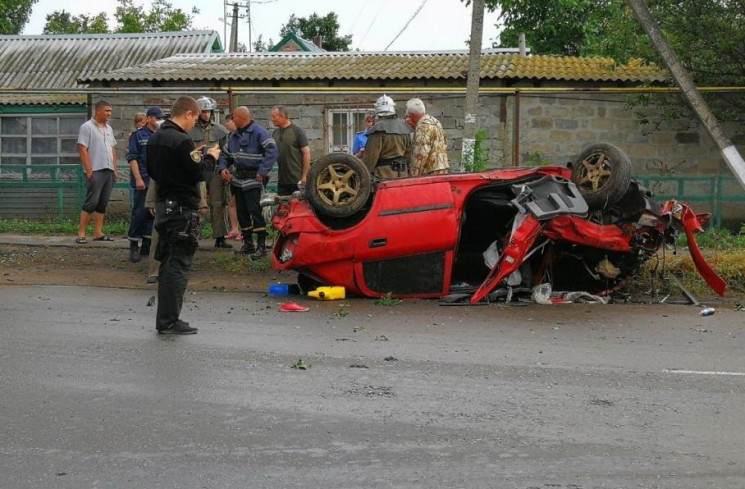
{"x":553,"y":129}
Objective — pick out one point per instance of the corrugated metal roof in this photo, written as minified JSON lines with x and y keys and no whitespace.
{"x":20,"y":98}
{"x":58,"y":61}
{"x":376,"y":66}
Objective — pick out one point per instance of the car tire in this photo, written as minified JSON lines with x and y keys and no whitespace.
{"x":338,"y":185}
{"x":603,"y":174}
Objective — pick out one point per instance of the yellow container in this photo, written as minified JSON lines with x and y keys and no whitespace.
{"x":329,"y":293}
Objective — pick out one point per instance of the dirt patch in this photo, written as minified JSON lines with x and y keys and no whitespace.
{"x":110,"y":267}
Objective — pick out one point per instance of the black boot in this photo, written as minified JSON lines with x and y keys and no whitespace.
{"x":134,"y":251}
{"x":220,"y":243}
{"x":248,"y":244}
{"x":145,"y":247}
{"x":260,"y":247}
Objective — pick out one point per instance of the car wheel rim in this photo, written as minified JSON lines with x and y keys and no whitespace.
{"x":337,"y":184}
{"x":595,"y":172}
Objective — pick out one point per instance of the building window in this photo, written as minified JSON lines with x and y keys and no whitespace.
{"x":342,"y":124}
{"x":35,"y":141}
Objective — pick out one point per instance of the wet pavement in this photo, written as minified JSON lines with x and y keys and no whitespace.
{"x":406,"y":396}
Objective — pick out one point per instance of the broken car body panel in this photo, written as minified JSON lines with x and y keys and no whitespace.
{"x":416,"y":237}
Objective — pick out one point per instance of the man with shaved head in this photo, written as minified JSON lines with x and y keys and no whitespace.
{"x":250,"y":156}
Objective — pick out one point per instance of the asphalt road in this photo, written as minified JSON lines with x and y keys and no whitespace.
{"x":407,"y":396}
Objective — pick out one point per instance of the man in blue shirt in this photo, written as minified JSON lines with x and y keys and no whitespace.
{"x":360,"y":137}
{"x":141,"y":222}
{"x":251,"y":154}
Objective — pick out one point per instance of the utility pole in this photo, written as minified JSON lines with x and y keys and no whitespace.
{"x":472,"y":84}
{"x":731,"y":156}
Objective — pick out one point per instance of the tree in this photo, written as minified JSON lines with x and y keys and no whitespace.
{"x":259,"y":46}
{"x":327,"y":27}
{"x":14,"y":15}
{"x":161,"y":17}
{"x":62,"y":22}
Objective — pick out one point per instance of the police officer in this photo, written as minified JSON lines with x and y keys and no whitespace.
{"x":251,"y":153}
{"x":178,"y":167}
{"x":207,"y":131}
{"x":141,"y":222}
{"x":388,"y":148}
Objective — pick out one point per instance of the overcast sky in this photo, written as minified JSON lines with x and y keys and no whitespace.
{"x":374,"y":24}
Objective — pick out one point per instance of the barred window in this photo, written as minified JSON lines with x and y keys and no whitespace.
{"x":343,"y":123}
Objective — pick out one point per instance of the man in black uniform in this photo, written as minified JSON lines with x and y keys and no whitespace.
{"x":178,"y":167}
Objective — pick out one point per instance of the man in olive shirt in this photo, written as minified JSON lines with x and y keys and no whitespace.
{"x":294,"y":152}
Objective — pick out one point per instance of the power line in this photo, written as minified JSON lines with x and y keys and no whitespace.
{"x":407,"y":25}
{"x":372,"y":23}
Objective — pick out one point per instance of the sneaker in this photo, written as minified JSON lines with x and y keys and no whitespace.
{"x":151,"y":279}
{"x":179,"y":327}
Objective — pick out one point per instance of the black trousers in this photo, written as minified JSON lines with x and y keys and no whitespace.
{"x":177,"y":242}
{"x":247,"y":205}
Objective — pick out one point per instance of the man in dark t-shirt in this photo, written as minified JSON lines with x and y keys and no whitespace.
{"x":294,"y":152}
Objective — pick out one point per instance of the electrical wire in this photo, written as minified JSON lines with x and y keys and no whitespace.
{"x":371,"y":24}
{"x":407,"y":24}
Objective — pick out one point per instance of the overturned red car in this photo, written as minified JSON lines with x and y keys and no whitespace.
{"x":587,"y":226}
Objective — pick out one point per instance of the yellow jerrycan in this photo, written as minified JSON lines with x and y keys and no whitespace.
{"x":328,"y":293}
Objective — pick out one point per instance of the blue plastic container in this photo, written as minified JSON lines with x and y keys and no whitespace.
{"x":284,"y":289}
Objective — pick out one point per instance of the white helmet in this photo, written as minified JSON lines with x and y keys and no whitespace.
{"x":206,"y":103}
{"x":385,"y":106}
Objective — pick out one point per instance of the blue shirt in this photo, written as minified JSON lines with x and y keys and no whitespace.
{"x":250,"y":148}
{"x":137,"y":150}
{"x":360,"y":139}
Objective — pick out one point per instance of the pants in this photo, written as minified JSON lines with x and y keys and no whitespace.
{"x":98,"y":191}
{"x":140,"y":222}
{"x":247,"y":205}
{"x":178,"y":240}
{"x":218,"y":204}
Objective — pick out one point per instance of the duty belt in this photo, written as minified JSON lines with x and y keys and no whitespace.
{"x":397,"y":164}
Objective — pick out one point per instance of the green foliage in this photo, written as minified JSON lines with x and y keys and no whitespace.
{"x":327,"y":27}
{"x":480,"y":154}
{"x":301,"y":365}
{"x":161,"y":17}
{"x":387,"y":300}
{"x":342,"y":312}
{"x":53,"y":228}
{"x":62,"y":22}
{"x":536,"y":159}
{"x":14,"y":16}
{"x":717,"y":239}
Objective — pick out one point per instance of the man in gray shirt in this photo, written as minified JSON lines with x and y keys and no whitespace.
{"x":96,"y":144}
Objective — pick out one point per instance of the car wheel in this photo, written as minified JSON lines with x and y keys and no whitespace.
{"x":603,"y":174}
{"x":338,"y":185}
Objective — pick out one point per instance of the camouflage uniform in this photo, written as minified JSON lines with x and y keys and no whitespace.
{"x":430,"y":148}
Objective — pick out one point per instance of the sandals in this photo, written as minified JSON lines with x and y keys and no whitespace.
{"x":103,"y":238}
{"x":81,"y":240}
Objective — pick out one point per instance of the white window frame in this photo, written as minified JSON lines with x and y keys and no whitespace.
{"x":336,"y":133}
{"x":52,"y":158}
